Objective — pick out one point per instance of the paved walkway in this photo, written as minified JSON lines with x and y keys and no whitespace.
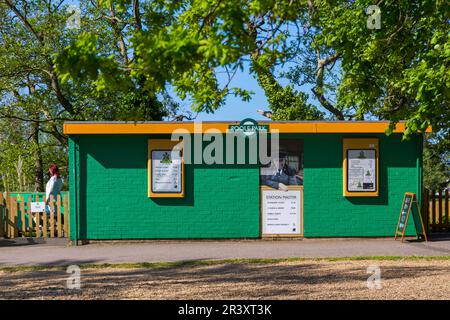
{"x":57,"y":252}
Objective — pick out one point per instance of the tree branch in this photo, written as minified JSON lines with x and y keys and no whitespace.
{"x":118,"y":33}
{"x":24,"y":20}
{"x":208,"y":15}
{"x":56,"y":134}
{"x":137,"y":15}
{"x":318,"y":89}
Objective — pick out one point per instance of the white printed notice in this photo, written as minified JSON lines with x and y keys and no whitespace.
{"x":38,"y":206}
{"x":281,"y":212}
{"x":361,"y":170}
{"x":166,"y":171}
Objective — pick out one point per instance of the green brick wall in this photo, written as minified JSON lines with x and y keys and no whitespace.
{"x":219,"y":202}
{"x":109,"y":193}
{"x":329,"y":214}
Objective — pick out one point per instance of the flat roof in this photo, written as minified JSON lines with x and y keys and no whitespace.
{"x":168,"y":127}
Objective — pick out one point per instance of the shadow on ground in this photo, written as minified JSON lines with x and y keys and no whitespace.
{"x":15,"y":243}
{"x":296,"y":280}
{"x":19,"y":242}
{"x":440,"y":237}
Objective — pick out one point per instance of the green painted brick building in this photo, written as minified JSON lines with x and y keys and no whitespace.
{"x":109,"y":184}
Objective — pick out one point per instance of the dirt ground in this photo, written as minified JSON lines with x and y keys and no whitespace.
{"x":310,"y":279}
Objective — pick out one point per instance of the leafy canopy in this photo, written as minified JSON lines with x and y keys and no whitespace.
{"x":399,"y":71}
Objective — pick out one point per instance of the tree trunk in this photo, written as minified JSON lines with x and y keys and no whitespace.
{"x":38,"y":169}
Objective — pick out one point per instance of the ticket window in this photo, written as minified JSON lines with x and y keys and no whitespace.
{"x":281,"y":184}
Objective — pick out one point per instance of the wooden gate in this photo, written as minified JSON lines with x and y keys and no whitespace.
{"x":19,"y":218}
{"x":436,"y":205}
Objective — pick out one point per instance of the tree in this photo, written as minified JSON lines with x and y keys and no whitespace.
{"x":31,"y":93}
{"x":285,"y":102}
{"x":16,"y":161}
{"x":396,"y":72}
{"x":188,"y":45}
{"x":436,"y":158}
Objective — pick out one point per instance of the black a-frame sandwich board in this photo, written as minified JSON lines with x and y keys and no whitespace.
{"x":409,"y":200}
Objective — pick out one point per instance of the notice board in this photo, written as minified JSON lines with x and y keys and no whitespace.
{"x":281,"y":212}
{"x":360,"y":167}
{"x":165,"y":169}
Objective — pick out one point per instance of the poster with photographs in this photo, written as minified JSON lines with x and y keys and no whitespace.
{"x":361,"y":174}
{"x":285,"y":167}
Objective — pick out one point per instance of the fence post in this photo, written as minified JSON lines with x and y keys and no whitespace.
{"x":447,"y":213}
{"x":66,"y":217}
{"x":15,"y":217}
{"x":10,"y":232}
{"x":10,"y":220}
{"x":441,"y":224}
{"x":425,"y":212}
{"x":38,"y":219}
{"x":30,"y":218}
{"x":58,"y":210}
{"x":44,"y":224}
{"x":433,"y":209}
{"x":52,"y":215}
{"x":2,"y":224}
{"x":7,"y":222}
{"x":22,"y":215}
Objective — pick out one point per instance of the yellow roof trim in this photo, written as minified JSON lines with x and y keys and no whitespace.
{"x":192,"y":127}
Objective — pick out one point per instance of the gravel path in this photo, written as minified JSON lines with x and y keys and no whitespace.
{"x":309,"y":279}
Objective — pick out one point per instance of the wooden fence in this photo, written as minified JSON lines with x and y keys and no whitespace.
{"x":436,"y":204}
{"x":18,"y":220}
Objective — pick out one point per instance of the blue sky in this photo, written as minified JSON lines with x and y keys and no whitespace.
{"x":235,"y":108}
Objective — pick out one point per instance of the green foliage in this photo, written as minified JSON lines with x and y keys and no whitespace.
{"x":436,"y":159}
{"x":399,"y":72}
{"x":17,"y":156}
{"x":183,"y":44}
{"x":34,"y":95}
{"x":85,"y":64}
{"x":287,"y":103}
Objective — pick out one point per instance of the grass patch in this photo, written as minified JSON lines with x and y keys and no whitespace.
{"x":189,"y":263}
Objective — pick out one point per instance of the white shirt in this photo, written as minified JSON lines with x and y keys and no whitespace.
{"x":53,"y":187}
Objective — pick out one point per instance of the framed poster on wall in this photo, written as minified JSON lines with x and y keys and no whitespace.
{"x":165,"y":169}
{"x":360,"y":167}
{"x":361,"y":170}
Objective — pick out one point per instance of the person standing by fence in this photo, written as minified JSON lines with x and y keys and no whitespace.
{"x":53,"y":186}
